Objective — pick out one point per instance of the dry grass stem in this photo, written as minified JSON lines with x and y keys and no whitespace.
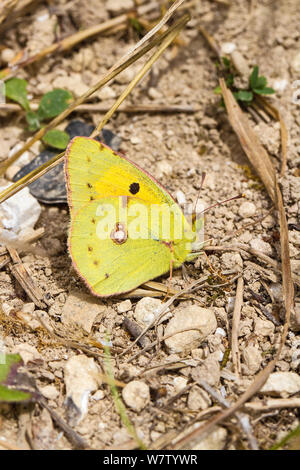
{"x":236,"y":325}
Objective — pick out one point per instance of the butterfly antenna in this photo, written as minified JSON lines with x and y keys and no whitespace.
{"x":223,"y":202}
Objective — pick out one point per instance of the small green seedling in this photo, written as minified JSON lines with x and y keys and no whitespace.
{"x":50,"y":106}
{"x":257,"y":84}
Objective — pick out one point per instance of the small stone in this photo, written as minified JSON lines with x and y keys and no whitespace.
{"x":107,"y":93}
{"x":99,"y":395}
{"x":82,"y":310}
{"x":282,"y":384}
{"x":82,"y":376}
{"x":124,"y":306}
{"x":198,"y":399}
{"x":202,"y":319}
{"x":216,"y":440}
{"x":164,"y":169}
{"x":127,"y":75}
{"x":260,"y":245}
{"x":28,"y":353}
{"x":12,"y":171}
{"x":147,"y":309}
{"x":268,"y":221}
{"x":136,"y":395}
{"x":180,"y":383}
{"x":117,"y":7}
{"x":252,"y":358}
{"x":264,"y":327}
{"x":276,"y":291}
{"x":240,"y":63}
{"x":228,"y":47}
{"x":220,"y":331}
{"x":154,"y":94}
{"x":280,"y":84}
{"x":7,"y":55}
{"x":247,"y":209}
{"x":135,"y":140}
{"x":180,"y":196}
{"x":71,"y":82}
{"x":49,"y":391}
{"x":29,"y":307}
{"x":295,"y":63}
{"x":197,"y":354}
{"x":208,"y":370}
{"x":232,"y":261}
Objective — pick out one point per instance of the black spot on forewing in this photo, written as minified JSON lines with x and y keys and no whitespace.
{"x":134,"y":188}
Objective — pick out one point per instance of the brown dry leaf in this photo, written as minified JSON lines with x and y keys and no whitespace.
{"x":254,"y":150}
{"x":284,"y":134}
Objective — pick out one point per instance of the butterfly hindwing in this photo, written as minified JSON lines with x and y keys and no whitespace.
{"x":107,"y":256}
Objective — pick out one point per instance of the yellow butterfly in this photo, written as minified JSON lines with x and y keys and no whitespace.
{"x":125,"y":227}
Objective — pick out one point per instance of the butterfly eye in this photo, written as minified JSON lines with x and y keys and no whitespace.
{"x":134,"y":188}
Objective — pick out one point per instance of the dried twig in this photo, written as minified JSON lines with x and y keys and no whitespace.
{"x":273,"y":403}
{"x":23,"y":277}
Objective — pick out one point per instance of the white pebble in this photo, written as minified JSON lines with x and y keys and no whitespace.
{"x":147,"y":309}
{"x":261,"y":245}
{"x":82,"y":376}
{"x":228,"y":47}
{"x":247,"y":209}
{"x":7,"y":55}
{"x":202,"y":319}
{"x":180,"y":196}
{"x":282,"y":383}
{"x":136,"y":395}
{"x":124,"y":306}
{"x":264,"y":327}
{"x":116,"y":7}
{"x":180,"y":383}
{"x":220,"y":331}
{"x":280,"y":84}
{"x":164,"y":169}
{"x":154,"y":94}
{"x":49,"y":391}
{"x":252,"y":358}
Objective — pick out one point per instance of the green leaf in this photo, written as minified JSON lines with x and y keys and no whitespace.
{"x":8,"y":373}
{"x":8,"y":395}
{"x":243,"y":95}
{"x":33,"y":121}
{"x":264,"y":91}
{"x":7,"y":361}
{"x":254,"y":77}
{"x":56,"y":138}
{"x":16,"y":90}
{"x":54,"y":103}
{"x":261,"y":82}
